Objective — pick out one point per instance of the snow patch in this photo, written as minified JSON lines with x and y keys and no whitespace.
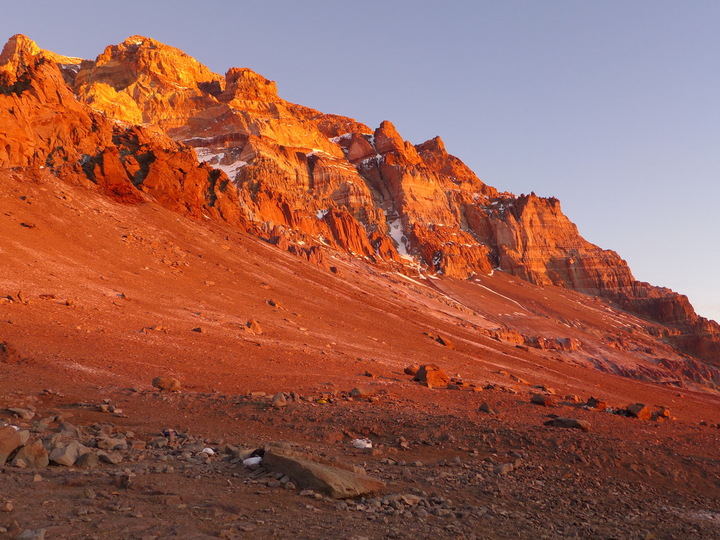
{"x":396,"y":233}
{"x":206,"y":155}
{"x":341,"y":137}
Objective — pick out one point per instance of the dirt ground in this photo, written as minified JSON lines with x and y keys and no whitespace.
{"x":98,"y":298}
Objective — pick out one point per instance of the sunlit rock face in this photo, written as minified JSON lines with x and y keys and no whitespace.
{"x":145,"y":121}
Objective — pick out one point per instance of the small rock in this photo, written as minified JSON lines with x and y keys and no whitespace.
{"x":486,"y":408}
{"x":412,"y":369}
{"x":7,"y":506}
{"x":254,"y":326}
{"x":167,"y":383}
{"x":503,"y":468}
{"x":279,"y":400}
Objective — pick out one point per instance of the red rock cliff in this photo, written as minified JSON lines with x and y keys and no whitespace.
{"x":144,"y":120}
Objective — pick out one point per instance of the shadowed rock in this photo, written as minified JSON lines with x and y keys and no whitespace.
{"x":570,"y":423}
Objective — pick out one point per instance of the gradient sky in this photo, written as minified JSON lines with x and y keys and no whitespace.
{"x":610,"y":105}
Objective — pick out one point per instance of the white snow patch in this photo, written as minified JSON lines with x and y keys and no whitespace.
{"x":411,"y":280}
{"x":205,"y":155}
{"x":396,"y":233}
{"x":341,"y":137}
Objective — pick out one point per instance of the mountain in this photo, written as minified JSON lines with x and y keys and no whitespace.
{"x":195,"y":273}
{"x":145,"y":122}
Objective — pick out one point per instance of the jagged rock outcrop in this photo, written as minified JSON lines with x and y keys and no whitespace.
{"x":144,"y":121}
{"x":45,"y":126}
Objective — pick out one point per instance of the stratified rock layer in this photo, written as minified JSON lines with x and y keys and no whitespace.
{"x":144,"y":121}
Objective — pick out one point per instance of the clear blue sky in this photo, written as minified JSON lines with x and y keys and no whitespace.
{"x":613,"y":106}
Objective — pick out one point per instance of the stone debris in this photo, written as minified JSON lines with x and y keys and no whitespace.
{"x":167,"y":383}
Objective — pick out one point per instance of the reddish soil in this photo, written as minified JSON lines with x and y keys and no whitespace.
{"x":111,"y":296}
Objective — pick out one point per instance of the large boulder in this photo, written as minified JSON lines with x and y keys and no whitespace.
{"x":332,"y":480}
{"x":167,"y":383}
{"x":67,"y":455}
{"x":569,"y":423}
{"x":10,"y":440}
{"x":33,"y":455}
{"x":432,"y":376}
{"x":639,"y":410}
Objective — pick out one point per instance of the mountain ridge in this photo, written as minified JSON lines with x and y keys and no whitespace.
{"x":144,"y":121}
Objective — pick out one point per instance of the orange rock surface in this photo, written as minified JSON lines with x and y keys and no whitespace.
{"x":144,"y":121}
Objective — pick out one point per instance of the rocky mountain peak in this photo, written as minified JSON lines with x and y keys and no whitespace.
{"x":16,"y":47}
{"x":245,"y":83}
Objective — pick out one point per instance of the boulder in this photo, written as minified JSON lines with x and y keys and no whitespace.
{"x":639,"y":410}
{"x":570,"y":423}
{"x":331,"y":480}
{"x":109,"y":443}
{"x":486,"y":408}
{"x":412,"y":369}
{"x":33,"y":455}
{"x":545,"y":401}
{"x":432,"y":376}
{"x":359,"y":392}
{"x":88,"y":461}
{"x":254,"y":327}
{"x":167,"y":383}
{"x":8,"y":354}
{"x":279,"y":400}
{"x":9,"y":442}
{"x":67,"y":455}
{"x":20,"y":412}
{"x":595,"y":403}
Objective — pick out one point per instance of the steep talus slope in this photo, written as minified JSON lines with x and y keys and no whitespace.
{"x":136,"y":120}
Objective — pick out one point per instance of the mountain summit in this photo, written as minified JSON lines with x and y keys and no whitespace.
{"x":146,"y":122}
